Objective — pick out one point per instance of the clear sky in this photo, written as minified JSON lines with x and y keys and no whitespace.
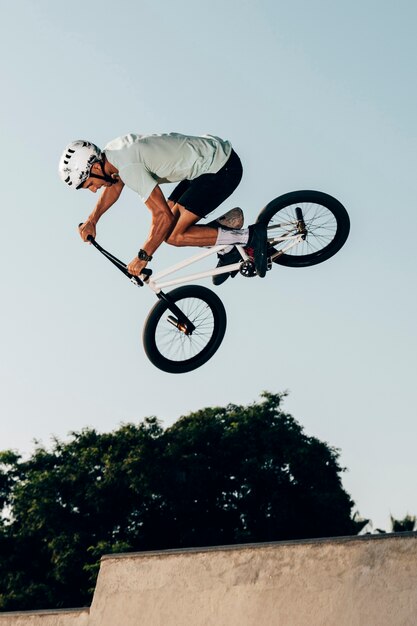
{"x":313,"y":94}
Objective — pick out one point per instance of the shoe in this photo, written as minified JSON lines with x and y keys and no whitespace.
{"x":226,"y":259}
{"x":258,"y":240}
{"x":232,"y":219}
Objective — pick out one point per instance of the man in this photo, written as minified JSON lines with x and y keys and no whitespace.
{"x":207,"y":169}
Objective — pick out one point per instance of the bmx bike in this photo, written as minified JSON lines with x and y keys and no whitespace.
{"x":186,"y":326}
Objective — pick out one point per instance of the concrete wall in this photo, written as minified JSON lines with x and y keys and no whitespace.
{"x":72,"y":617}
{"x":355,"y":581}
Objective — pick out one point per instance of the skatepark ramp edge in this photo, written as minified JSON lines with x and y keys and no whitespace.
{"x":361,"y":580}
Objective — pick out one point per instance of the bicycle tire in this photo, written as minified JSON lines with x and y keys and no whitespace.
{"x":168,"y":347}
{"x":326,"y":220}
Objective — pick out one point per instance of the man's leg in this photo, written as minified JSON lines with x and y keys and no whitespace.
{"x":185,"y":231}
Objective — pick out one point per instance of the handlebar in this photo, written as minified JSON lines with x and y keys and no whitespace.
{"x":136,"y":280}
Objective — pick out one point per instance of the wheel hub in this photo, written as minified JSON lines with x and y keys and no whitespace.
{"x":182,"y":327}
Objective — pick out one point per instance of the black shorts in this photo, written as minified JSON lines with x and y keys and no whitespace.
{"x":206,"y":192}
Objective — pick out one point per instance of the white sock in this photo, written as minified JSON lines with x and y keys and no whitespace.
{"x":226,"y":250}
{"x":232,"y":237}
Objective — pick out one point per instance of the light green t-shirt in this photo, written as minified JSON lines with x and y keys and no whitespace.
{"x":144,"y":161}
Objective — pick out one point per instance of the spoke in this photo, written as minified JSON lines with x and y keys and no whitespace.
{"x":173,"y":343}
{"x":320,"y":224}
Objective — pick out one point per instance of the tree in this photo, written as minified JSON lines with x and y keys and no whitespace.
{"x":406,"y":524}
{"x":217,"y":476}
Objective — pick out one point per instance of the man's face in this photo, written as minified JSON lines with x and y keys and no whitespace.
{"x":93,"y":184}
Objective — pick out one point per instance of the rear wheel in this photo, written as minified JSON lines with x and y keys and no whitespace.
{"x":316,"y":221}
{"x":167,"y":342}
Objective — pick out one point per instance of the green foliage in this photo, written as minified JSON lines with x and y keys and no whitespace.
{"x":407,"y":524}
{"x":217,"y":476}
{"x":359,"y":522}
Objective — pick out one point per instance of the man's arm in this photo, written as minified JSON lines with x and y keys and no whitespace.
{"x":109,"y":196}
{"x":162,"y":221}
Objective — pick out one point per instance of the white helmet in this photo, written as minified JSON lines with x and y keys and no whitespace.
{"x":76,"y":161}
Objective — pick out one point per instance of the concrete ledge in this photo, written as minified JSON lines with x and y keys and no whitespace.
{"x":368,"y":580}
{"x":245,"y":546}
{"x":56,"y":617}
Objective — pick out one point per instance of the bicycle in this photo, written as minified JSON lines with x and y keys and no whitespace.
{"x":186,"y":326}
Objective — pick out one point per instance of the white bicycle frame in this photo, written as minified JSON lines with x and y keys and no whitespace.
{"x":156,"y":283}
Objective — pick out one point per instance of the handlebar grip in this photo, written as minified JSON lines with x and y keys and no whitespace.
{"x":90,"y":237}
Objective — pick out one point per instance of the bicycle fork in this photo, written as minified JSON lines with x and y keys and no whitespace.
{"x":178,"y":319}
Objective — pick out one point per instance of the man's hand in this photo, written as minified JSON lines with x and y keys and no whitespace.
{"x":136,"y":266}
{"x":86,"y":229}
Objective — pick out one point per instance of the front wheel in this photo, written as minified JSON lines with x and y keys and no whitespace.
{"x":166,"y":341}
{"x":305,"y":227}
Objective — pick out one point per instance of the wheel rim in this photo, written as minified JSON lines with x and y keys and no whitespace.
{"x":173,"y":344}
{"x":321,"y":227}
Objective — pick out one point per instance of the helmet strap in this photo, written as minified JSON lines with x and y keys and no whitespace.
{"x":106,"y":177}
